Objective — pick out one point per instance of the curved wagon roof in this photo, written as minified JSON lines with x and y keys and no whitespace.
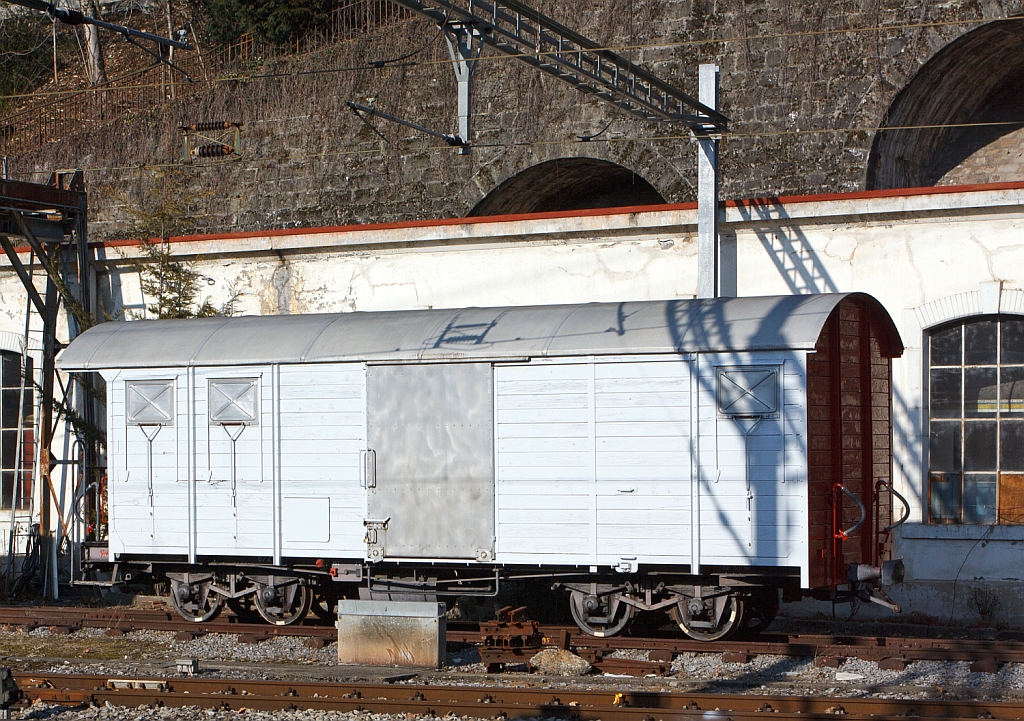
{"x":646,"y":327}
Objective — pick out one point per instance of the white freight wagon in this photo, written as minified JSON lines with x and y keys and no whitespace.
{"x":690,"y":456}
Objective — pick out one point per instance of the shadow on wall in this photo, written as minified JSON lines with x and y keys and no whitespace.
{"x":800,"y":265}
{"x":568,"y":184}
{"x":975,"y":79}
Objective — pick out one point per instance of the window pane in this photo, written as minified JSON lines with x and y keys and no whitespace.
{"x":1011,"y":446}
{"x":9,"y":374}
{"x":981,"y":392}
{"x":6,"y":489}
{"x":944,"y":497}
{"x":979,"y":498}
{"x":944,"y":448}
{"x":980,"y":347}
{"x":1011,"y":498}
{"x":9,"y":398}
{"x":1013,"y":341}
{"x":980,"y":446}
{"x":1011,"y":390}
{"x":946,"y":347}
{"x":945,"y":393}
{"x":8,"y":449}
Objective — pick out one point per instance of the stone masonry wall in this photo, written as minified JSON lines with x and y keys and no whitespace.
{"x":999,"y":161}
{"x":804,"y":84}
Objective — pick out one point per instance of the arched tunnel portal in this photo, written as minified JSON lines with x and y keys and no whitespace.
{"x":568,"y":184}
{"x":960,"y":119}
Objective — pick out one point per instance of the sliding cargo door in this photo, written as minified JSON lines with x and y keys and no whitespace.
{"x":753,"y":490}
{"x":234,"y":462}
{"x":429,"y":470}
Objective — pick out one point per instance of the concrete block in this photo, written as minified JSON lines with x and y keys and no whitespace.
{"x":391,"y":633}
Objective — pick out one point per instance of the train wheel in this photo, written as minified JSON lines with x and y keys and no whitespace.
{"x":600,"y":616}
{"x":700,"y":619}
{"x":195,"y":602}
{"x":283,"y":605}
{"x":244,"y":608}
{"x":760,"y":610}
{"x":324,"y":607}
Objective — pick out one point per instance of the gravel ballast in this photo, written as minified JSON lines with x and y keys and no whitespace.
{"x":153,"y":653}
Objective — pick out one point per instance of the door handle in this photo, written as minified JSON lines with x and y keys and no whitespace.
{"x":369,"y":469}
{"x":626,"y":490}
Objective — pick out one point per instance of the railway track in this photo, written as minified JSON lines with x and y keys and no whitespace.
{"x":514,"y":640}
{"x":489,"y":702}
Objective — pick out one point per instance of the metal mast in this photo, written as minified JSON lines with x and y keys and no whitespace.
{"x":709,"y":268}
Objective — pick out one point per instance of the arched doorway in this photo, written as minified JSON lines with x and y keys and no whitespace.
{"x":568,"y":184}
{"x":975,"y":79}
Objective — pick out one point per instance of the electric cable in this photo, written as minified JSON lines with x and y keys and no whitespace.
{"x":376,"y":64}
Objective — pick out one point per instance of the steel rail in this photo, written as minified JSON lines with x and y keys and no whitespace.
{"x":870,"y":648}
{"x":124,"y":620}
{"x":488,"y":702}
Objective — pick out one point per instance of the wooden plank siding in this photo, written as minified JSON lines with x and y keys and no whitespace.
{"x":849,"y":405}
{"x":322,"y":431}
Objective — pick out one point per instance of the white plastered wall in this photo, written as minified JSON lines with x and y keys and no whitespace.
{"x":911,"y":252}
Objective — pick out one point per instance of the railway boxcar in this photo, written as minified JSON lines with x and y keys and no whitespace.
{"x":688,"y":456}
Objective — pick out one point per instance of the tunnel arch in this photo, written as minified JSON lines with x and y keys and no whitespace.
{"x":568,"y":184}
{"x":974,"y":79}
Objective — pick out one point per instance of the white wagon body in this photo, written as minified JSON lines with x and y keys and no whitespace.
{"x":602,"y":436}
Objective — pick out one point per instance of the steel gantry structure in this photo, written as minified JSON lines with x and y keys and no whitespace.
{"x":517,"y":30}
{"x":46,"y":225}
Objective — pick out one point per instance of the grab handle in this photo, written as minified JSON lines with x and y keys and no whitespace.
{"x":906,"y":507}
{"x":368,"y":477}
{"x":845,"y":535}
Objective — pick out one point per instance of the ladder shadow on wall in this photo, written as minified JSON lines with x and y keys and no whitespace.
{"x":800,"y":266}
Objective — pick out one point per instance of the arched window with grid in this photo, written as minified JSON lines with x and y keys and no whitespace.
{"x":976,"y":421}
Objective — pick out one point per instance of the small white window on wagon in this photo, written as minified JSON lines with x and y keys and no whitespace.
{"x":234,"y":401}
{"x":149,"y":403}
{"x":748,"y":391}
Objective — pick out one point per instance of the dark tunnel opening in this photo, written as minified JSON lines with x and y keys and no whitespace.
{"x":568,"y":184}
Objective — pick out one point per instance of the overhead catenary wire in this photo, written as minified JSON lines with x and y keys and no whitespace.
{"x":437,"y":36}
{"x":372,"y":65}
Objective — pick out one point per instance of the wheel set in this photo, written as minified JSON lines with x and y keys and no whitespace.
{"x":702,"y":613}
{"x":278,"y":600}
